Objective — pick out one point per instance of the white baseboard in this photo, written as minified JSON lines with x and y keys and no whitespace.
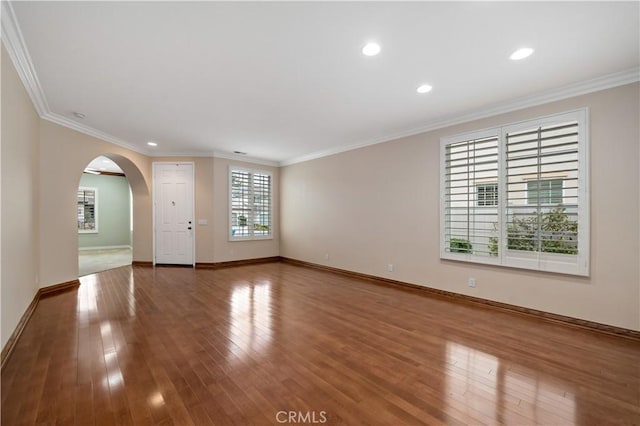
{"x":104,"y":248}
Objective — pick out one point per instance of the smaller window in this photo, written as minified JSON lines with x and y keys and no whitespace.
{"x":250,"y":202}
{"x":548,"y":191}
{"x":87,"y":212}
{"x":487,"y":194}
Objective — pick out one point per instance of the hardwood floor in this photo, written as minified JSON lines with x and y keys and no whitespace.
{"x":277,"y":344}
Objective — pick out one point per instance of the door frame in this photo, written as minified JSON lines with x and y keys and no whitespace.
{"x":193,"y":206}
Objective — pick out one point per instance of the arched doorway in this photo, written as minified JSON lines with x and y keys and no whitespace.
{"x":104,"y":217}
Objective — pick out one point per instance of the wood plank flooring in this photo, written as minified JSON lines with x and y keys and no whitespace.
{"x":281,"y":344}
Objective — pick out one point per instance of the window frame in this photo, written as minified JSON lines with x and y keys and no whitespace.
{"x":95,"y":209}
{"x":251,"y":236}
{"x":572,"y":264}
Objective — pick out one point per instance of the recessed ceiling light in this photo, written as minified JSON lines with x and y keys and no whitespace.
{"x":521,"y":54}
{"x":371,"y":49}
{"x":424,"y":88}
{"x":79,"y":115}
{"x":152,"y":144}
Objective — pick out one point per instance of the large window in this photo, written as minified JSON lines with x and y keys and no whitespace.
{"x":250,"y":196}
{"x":516,"y":195}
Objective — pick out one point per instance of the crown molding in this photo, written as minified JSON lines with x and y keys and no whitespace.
{"x":582,"y":88}
{"x":245,"y":159}
{"x":17,"y":49}
{"x":87,"y":130}
{"x":14,"y":42}
{"x":214,"y":154}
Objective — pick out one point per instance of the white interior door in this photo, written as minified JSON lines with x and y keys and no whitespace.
{"x":173,"y":207}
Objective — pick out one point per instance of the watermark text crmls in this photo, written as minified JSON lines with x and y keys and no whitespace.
{"x":312,"y":417}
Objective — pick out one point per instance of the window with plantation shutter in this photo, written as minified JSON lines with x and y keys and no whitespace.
{"x":87,"y":210}
{"x":470,"y":167}
{"x":250,"y":211}
{"x":537,"y":218}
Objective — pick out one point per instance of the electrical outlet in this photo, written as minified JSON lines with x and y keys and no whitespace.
{"x":472,"y":282}
{"x":326,"y":256}
{"x":390,"y":267}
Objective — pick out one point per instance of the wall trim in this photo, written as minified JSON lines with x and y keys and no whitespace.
{"x":19,"y":54}
{"x":14,"y":42}
{"x":476,"y":301}
{"x":245,"y":159}
{"x":232,"y":263}
{"x":16,"y":47}
{"x":142,"y":263}
{"x":17,"y":332}
{"x":105,"y":248}
{"x":552,"y":95}
{"x":57,"y":288}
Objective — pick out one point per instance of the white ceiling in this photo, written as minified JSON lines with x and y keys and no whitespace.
{"x":286,"y":81}
{"x":103,"y":164}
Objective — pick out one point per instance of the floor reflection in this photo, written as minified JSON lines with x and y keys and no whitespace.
{"x":131,"y":299}
{"x":98,"y":329}
{"x":87,"y":295}
{"x":156,"y":400}
{"x":483,"y":387}
{"x":250,"y":326}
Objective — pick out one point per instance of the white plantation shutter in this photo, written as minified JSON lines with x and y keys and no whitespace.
{"x":470,"y":168}
{"x":546,"y":214}
{"x":261,"y":204}
{"x":538,"y":218}
{"x":250,"y":206}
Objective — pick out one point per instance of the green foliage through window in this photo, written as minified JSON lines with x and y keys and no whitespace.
{"x":556,"y":233}
{"x":459,"y":245}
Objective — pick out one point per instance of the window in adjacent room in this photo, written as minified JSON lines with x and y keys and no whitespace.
{"x":516,"y":195}
{"x":250,"y":201}
{"x":87,"y":211}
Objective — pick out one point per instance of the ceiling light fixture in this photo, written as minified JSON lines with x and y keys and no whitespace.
{"x":521,"y":54}
{"x":371,"y":49}
{"x":425,"y":88}
{"x":152,"y":144}
{"x":79,"y":115}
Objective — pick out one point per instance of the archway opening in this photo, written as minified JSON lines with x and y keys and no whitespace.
{"x":104,"y":217}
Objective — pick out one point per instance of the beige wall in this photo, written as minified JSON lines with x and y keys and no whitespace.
{"x":223,"y":249}
{"x":19,"y":176}
{"x":380,"y":204}
{"x":58,"y":184}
